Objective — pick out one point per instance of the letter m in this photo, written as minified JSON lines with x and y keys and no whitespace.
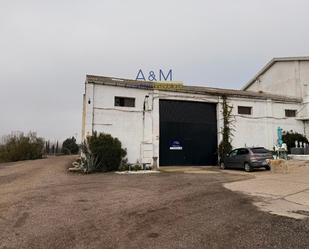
{"x":169,"y":76}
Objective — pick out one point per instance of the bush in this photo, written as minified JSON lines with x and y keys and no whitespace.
{"x":289,"y":139}
{"x":136,"y":167}
{"x":224,"y":148}
{"x":20,"y":147}
{"x":103,"y":152}
{"x":124,"y":165}
{"x":69,"y":146}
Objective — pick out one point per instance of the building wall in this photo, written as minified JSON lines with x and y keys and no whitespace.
{"x":138,"y":129}
{"x":260,"y":128}
{"x":288,"y":78}
{"x":125,"y":123}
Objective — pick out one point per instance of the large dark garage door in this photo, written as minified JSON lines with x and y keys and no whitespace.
{"x":188,"y":133}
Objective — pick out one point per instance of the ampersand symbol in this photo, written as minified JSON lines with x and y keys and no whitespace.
{"x":152,"y":76}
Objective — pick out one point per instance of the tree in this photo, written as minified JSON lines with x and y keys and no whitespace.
{"x":225,"y":145}
{"x":21,"y":147}
{"x":57,"y":148}
{"x":53,"y":149}
{"x":48,"y":147}
{"x":69,"y":146}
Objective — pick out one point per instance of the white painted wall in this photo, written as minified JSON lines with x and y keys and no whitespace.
{"x":125,"y":123}
{"x":288,"y":78}
{"x":87,"y":127}
{"x":260,"y":128}
{"x":139,"y":131}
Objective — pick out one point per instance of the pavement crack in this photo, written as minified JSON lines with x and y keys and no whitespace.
{"x":295,"y":193}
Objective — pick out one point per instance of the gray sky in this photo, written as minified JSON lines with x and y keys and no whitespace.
{"x":47,"y":48}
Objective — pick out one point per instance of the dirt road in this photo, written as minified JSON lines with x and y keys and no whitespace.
{"x":44,"y":206}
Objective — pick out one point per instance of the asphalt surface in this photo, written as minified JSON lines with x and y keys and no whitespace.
{"x":44,"y":206}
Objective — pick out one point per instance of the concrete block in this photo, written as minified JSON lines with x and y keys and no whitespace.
{"x":297,"y":151}
{"x":74,"y":169}
{"x":299,"y":157}
{"x":306,"y":151}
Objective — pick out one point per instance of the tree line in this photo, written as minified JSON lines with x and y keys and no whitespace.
{"x":20,"y":146}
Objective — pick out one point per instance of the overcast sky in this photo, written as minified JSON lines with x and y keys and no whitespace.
{"x":47,"y":48}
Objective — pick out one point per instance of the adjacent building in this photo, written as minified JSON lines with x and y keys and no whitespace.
{"x":181,"y":125}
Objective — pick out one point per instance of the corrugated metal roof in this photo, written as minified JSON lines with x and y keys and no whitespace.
{"x":103,"y":80}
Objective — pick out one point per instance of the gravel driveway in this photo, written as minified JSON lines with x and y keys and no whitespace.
{"x":44,"y":206}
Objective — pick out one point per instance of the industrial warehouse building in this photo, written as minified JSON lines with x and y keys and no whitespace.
{"x":180,"y":125}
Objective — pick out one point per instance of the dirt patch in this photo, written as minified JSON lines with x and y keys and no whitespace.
{"x":50,"y":208}
{"x":21,"y":220}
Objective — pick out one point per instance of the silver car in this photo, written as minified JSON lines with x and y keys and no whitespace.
{"x":247,"y":159}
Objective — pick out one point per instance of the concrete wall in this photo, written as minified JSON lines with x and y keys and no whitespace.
{"x":288,"y":78}
{"x":125,"y":123}
{"x":260,"y":128}
{"x":138,"y":130}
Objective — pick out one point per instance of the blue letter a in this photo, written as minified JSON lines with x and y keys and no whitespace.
{"x":140,"y":75}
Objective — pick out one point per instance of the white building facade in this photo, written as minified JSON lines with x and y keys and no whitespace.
{"x":153,"y":121}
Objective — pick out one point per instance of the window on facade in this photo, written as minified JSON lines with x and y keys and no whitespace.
{"x":290,"y":113}
{"x":247,"y":110}
{"x":124,"y":101}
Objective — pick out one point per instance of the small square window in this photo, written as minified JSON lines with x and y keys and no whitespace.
{"x":124,"y":101}
{"x":247,"y":110}
{"x":290,"y":113}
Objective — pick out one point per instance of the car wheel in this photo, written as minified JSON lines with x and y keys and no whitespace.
{"x":222,"y":165}
{"x":247,"y":167}
{"x":267,"y":167}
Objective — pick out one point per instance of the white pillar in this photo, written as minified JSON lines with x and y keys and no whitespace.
{"x":219,"y":119}
{"x":89,"y":103}
{"x":269,"y":125}
{"x":155,"y":125}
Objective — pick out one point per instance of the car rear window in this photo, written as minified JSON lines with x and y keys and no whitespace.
{"x":242,"y":152}
{"x":259,"y":150}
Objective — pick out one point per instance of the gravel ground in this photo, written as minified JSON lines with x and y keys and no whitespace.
{"x":44,"y":206}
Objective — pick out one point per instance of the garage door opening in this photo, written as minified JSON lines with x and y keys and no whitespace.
{"x":188,"y":133}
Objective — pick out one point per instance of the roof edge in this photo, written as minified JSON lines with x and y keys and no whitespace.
{"x":269,"y":65}
{"x":149,"y":85}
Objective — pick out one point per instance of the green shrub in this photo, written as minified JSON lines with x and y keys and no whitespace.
{"x":103,"y":152}
{"x":21,"y":147}
{"x":224,"y":148}
{"x":136,"y":167}
{"x":89,"y":161}
{"x":69,"y":146}
{"x":289,"y":139}
{"x":124,"y":165}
